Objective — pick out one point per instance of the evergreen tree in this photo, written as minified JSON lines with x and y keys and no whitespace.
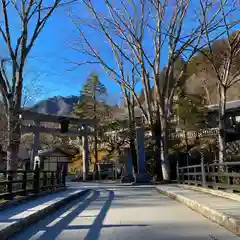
{"x":92,"y":105}
{"x":91,"y":102}
{"x":191,"y":113}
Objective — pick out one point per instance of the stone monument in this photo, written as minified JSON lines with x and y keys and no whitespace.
{"x":127,"y":176}
{"x":142,"y":175}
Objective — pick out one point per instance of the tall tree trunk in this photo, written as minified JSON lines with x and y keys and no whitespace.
{"x":155,"y":126}
{"x":13,"y":121}
{"x":13,"y":139}
{"x":156,"y":139}
{"x":165,"y":160}
{"x":222,"y":124}
{"x":95,"y":149}
{"x":95,"y":134}
{"x":132,"y":132}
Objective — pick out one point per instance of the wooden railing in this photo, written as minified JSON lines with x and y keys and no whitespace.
{"x":22,"y":183}
{"x":216,"y":175}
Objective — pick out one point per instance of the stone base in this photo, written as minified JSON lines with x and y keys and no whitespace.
{"x":142,"y":178}
{"x":127,"y":179}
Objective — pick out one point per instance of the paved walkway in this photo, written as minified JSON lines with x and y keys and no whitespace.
{"x":19,"y":212}
{"x":117,"y":213}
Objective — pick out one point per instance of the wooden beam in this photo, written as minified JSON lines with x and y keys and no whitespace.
{"x":29,"y":115}
{"x":41,"y":129}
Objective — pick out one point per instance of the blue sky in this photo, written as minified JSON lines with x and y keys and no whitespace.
{"x":49,"y":59}
{"x":51,"y":52}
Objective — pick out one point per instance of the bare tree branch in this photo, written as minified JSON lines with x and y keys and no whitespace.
{"x":138,"y":33}
{"x":32,"y":17}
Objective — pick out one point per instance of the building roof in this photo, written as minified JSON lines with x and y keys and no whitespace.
{"x":231,"y":105}
{"x":47,"y":152}
{"x":123,"y":114}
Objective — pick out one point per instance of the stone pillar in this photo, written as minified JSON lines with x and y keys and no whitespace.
{"x":85,"y":155}
{"x":128,"y":168}
{"x":141,"y":176}
{"x":36,"y":144}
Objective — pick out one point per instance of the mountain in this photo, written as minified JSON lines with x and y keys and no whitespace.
{"x":57,"y":105}
{"x":63,"y":106}
{"x":206,"y":86}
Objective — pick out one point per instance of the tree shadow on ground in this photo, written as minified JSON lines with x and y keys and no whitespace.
{"x":63,"y":221}
{"x":95,"y":229}
{"x":55,"y":224}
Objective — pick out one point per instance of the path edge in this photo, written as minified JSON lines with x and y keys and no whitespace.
{"x":35,"y":217}
{"x":230,"y":223}
{"x":219,"y":193}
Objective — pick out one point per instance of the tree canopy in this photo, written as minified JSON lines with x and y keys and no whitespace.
{"x":92,"y":104}
{"x":190,"y":111}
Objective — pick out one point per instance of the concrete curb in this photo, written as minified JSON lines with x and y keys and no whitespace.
{"x":33,"y":218}
{"x":218,"y":193}
{"x":232,"y":224}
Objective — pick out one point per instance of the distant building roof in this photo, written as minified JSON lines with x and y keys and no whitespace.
{"x":123,"y":114}
{"x":231,"y":105}
{"x":47,"y":152}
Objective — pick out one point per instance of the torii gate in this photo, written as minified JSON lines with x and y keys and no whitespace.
{"x":83,"y":131}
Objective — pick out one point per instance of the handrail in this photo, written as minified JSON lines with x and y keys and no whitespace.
{"x":212,"y":164}
{"x":29,"y":182}
{"x":224,"y":175}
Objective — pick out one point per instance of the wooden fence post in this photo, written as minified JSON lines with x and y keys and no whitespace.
{"x":63,"y":178}
{"x":203,"y":169}
{"x":45,"y":180}
{"x":9,"y":184}
{"x":229,"y":178}
{"x":24,"y":185}
{"x":58,"y":180}
{"x":52,"y":180}
{"x":195,"y":175}
{"x":37,"y":179}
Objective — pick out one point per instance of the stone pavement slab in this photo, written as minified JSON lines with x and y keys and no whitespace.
{"x":16,"y":218}
{"x":225,"y":212}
